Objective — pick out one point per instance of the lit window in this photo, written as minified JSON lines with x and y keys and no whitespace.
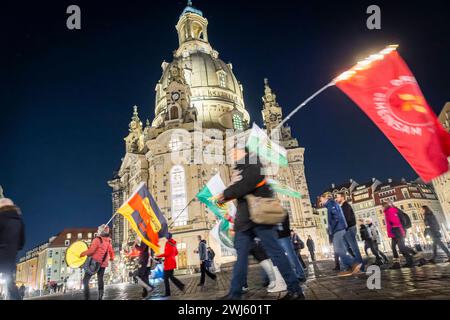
{"x":237,"y":122}
{"x":90,"y":235}
{"x":69,"y":236}
{"x":80,"y":236}
{"x":178,"y":191}
{"x":175,"y":143}
{"x":67,"y":243}
{"x":222,"y":79}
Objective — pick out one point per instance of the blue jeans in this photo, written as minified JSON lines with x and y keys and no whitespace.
{"x":350,"y":237}
{"x":288,"y":247}
{"x":340,"y":248}
{"x":243,"y":242}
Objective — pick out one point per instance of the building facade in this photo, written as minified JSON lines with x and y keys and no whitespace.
{"x":442,"y":183}
{"x":199,"y":110}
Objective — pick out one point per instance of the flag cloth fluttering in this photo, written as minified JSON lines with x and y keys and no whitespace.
{"x":283,"y":189}
{"x":386,"y":90}
{"x":225,"y":213}
{"x":145,"y":217}
{"x":259,"y":143}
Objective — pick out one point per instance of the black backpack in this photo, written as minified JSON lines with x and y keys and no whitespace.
{"x":404,"y":219}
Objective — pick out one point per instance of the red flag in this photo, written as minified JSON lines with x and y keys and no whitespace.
{"x":386,"y":90}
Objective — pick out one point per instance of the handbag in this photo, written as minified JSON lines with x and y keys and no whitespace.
{"x":91,"y":266}
{"x":265,"y":210}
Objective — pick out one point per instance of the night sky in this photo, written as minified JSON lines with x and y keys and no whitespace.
{"x":66,"y":96}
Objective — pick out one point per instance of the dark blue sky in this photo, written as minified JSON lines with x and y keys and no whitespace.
{"x":67,"y":96}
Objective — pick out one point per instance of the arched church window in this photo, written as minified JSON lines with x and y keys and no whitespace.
{"x":179,"y":196}
{"x":237,"y":122}
{"x":222,"y":79}
{"x":174,"y":113}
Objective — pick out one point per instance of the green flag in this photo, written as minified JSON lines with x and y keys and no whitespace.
{"x":259,"y":143}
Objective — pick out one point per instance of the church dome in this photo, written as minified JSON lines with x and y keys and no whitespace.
{"x":215,"y":91}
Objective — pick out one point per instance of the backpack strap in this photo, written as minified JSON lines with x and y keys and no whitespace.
{"x":106,"y":251}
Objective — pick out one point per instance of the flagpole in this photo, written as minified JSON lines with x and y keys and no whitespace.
{"x":332,"y":83}
{"x":181,"y":212}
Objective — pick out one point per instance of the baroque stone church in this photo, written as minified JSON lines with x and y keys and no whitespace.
{"x":198,"y":92}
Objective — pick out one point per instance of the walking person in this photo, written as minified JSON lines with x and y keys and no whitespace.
{"x":203,"y":256}
{"x":12,"y":240}
{"x":287,"y":243}
{"x":396,"y":232}
{"x":250,"y":180}
{"x":350,"y":235}
{"x":435,"y":233}
{"x":145,"y":263}
{"x":337,"y":227}
{"x":366,"y":235}
{"x":100,"y":252}
{"x":298,"y":246}
{"x":22,"y":291}
{"x":311,"y":248}
{"x":170,"y":264}
{"x":376,"y":240}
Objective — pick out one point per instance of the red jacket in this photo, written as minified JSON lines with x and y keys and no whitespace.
{"x":98,"y":249}
{"x":170,"y":252}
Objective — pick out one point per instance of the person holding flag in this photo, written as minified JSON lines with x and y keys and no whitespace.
{"x":251,"y":180}
{"x":101,"y":252}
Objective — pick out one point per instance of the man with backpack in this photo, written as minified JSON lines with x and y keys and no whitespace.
{"x":99,"y":254}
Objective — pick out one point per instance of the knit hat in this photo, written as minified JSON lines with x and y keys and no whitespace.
{"x":103,"y":230}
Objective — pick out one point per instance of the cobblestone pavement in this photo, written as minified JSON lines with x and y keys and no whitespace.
{"x":425,"y":282}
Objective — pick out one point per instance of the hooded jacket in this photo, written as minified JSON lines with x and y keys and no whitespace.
{"x":432,"y":223}
{"x":170,"y":252}
{"x":12,"y":237}
{"x":202,"y":254}
{"x":336,"y":219}
{"x":393,"y":221}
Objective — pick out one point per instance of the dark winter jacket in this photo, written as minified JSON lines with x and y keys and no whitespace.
{"x":143,"y":254}
{"x":12,"y":237}
{"x":349,"y":214}
{"x":310,"y":244}
{"x":336,"y":219}
{"x":202,"y":252}
{"x":250,"y":177}
{"x":432,"y":223}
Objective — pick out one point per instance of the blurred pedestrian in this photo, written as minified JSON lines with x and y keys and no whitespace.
{"x":100,"y":253}
{"x":144,"y":269}
{"x":298,"y":244}
{"x":434,"y":231}
{"x":337,"y":227}
{"x":288,"y":243}
{"x":311,"y":248}
{"x":203,"y":256}
{"x":170,"y":264}
{"x":250,"y":180}
{"x":396,"y":232}
{"x":350,"y":234}
{"x":12,"y":240}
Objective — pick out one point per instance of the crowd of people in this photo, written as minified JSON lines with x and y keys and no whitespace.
{"x":342,"y":228}
{"x":274,"y":245}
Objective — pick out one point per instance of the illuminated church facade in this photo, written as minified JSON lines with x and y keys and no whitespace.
{"x":199,"y":95}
